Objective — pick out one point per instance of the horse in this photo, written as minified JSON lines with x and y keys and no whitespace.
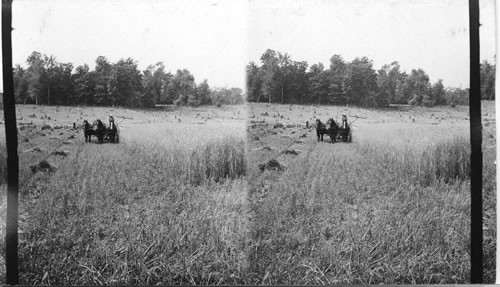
{"x":332,"y":130}
{"x":88,"y":131}
{"x":99,"y":131}
{"x":320,"y":129}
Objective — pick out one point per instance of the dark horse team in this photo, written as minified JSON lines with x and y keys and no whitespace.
{"x":99,"y":130}
{"x":333,"y":130}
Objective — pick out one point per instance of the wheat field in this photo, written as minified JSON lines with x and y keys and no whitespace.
{"x":391,"y":207}
{"x":165,"y":205}
{"x":188,"y":197}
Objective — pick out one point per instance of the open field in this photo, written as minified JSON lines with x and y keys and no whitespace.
{"x":182,"y":198}
{"x":391,"y":207}
{"x":165,"y":205}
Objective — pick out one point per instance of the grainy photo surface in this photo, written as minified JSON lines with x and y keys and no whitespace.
{"x":248,"y":142}
{"x":359,"y":141}
{"x":131,"y":122}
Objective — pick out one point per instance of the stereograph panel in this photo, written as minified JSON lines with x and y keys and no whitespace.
{"x":248,"y":142}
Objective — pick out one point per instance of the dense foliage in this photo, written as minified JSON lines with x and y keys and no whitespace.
{"x":47,"y":81}
{"x":279,"y":79}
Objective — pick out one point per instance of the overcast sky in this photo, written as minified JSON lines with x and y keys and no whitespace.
{"x":206,"y":37}
{"x":215,"y":39}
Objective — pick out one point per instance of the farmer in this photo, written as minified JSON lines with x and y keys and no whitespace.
{"x":344,"y":122}
{"x":112,"y":123}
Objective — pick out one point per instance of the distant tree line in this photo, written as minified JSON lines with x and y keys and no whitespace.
{"x":49,"y":82}
{"x":279,"y":79}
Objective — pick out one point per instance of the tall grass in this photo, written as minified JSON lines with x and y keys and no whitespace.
{"x":217,"y":160}
{"x":340,"y":217}
{"x":132,"y":214}
{"x":447,"y":160}
{"x":393,"y":207}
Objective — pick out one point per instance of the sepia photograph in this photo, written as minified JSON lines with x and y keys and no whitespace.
{"x":246,"y":142}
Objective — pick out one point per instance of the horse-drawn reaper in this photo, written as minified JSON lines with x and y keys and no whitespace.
{"x":334,"y":131}
{"x":103,"y":133}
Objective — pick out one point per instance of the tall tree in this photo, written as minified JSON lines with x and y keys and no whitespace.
{"x":125,"y":83}
{"x":101,"y":77}
{"x":360,"y":82}
{"x":283,"y":73}
{"x":84,"y":85}
{"x":254,"y":82}
{"x":21,"y":84}
{"x":402,"y":90}
{"x":270,"y":68}
{"x":153,"y":80}
{"x":319,"y":83}
{"x":298,"y":82}
{"x":35,"y":75}
{"x":63,"y":86}
{"x":50,"y":66}
{"x":418,"y":86}
{"x":336,"y":78}
{"x":164,"y":97}
{"x":387,"y":81}
{"x":437,"y":94}
{"x":203,"y":93}
{"x":181,"y":88}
